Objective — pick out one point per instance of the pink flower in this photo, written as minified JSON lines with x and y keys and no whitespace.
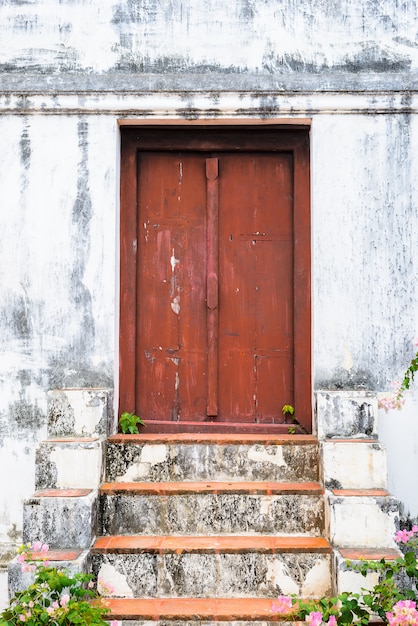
{"x":37,"y":546}
{"x":414,"y":529}
{"x":403,"y":536}
{"x":104,"y":587}
{"x":22,"y":617}
{"x":314,"y":618}
{"x":22,"y":557}
{"x":28,"y":568}
{"x":114,"y":623}
{"x":332,"y":620}
{"x":64,"y":600}
{"x":403,"y":612}
{"x":283,"y":604}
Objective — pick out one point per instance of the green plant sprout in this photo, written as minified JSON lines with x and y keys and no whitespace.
{"x":129,"y":423}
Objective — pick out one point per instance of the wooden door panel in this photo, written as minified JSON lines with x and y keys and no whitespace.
{"x":171,"y":338}
{"x":256,"y":285}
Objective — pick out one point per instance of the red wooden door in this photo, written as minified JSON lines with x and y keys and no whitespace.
{"x":216,"y":300}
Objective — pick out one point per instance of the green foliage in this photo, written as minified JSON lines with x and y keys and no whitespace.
{"x":56,"y":597}
{"x":361,"y":608}
{"x":288,"y":409}
{"x":129,"y":423}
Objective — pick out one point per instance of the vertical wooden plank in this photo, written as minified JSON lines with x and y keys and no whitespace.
{"x":302,"y":283}
{"x":128,"y":262}
{"x":212,"y":172}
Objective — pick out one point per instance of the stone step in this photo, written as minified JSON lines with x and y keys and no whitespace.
{"x":346,"y":579}
{"x":69,"y":463}
{"x":373,"y":514}
{"x":205,"y":508}
{"x":73,"y":561}
{"x":62,"y":518}
{"x":188,"y":456}
{"x":213,"y":567}
{"x":193,"y":611}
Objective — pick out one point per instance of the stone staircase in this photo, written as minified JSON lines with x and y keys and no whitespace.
{"x":212,"y":527}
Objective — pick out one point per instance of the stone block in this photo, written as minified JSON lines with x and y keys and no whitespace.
{"x":349,"y":580}
{"x":211,"y":514}
{"x":69,"y":463}
{"x":214,"y":575}
{"x":72,"y":560}
{"x":354,"y":464}
{"x":63,"y":518}
{"x":176,"y":461}
{"x":80,"y":412}
{"x":4,"y":596}
{"x":363,"y":518}
{"x":346,"y":414}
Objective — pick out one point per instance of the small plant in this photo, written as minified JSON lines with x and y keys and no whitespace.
{"x":56,"y":597}
{"x":288,"y":409}
{"x":129,"y":423}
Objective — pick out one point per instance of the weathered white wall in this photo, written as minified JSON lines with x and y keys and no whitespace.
{"x":71,"y":68}
{"x":58,"y":191}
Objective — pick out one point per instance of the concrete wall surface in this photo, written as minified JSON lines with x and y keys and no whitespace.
{"x":70,"y":70}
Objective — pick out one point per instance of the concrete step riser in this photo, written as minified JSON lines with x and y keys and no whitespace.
{"x":354,"y":464}
{"x":177,"y":462}
{"x":70,"y":464}
{"x":212,"y":514}
{"x":215,"y":575}
{"x":374,"y":519}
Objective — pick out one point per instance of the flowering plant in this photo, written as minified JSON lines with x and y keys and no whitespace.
{"x":396,"y":400}
{"x":55,"y":597}
{"x":393,"y":599}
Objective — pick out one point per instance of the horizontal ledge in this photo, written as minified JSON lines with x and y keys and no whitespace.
{"x":361,"y":492}
{"x":163,"y":427}
{"x":213,"y":438}
{"x":133,"y":544}
{"x":211,"y":487}
{"x":219,"y":609}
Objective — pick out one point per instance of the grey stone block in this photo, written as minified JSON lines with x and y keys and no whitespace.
{"x":62,"y":522}
{"x":287,"y":462}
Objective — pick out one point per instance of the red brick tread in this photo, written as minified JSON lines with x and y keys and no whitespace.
{"x":215,"y":438}
{"x":360,"y":492}
{"x":205,"y":487}
{"x":369,"y":554}
{"x":61,"y":493}
{"x":130,"y":544}
{"x":58,"y":555}
{"x":226,"y":609}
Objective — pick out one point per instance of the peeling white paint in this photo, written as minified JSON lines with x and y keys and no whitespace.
{"x":279,"y":576}
{"x":317,"y":580}
{"x":109,"y":575}
{"x":154,"y":454}
{"x":175,"y":305}
{"x":77,"y":468}
{"x":259,"y":454}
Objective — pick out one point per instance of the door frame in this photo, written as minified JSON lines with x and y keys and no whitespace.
{"x":276,"y":137}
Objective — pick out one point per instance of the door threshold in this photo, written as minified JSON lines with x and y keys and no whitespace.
{"x":161,"y":426}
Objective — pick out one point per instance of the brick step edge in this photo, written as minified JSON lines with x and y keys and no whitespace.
{"x":212,"y":487}
{"x":219,"y":609}
{"x":215,"y":438}
{"x":136,"y":544}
